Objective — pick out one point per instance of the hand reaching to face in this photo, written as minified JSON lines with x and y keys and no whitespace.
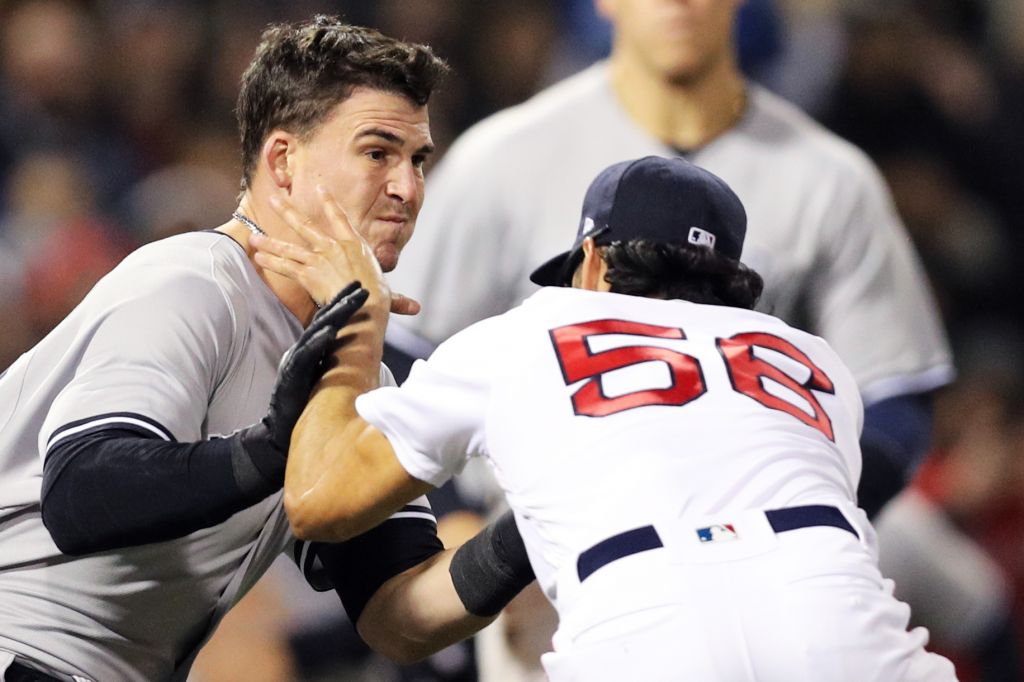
{"x":325,"y":265}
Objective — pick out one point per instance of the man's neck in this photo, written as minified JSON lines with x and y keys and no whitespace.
{"x":290,"y":293}
{"x":685,"y":115}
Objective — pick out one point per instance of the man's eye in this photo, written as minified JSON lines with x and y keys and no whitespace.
{"x":418,"y":160}
{"x":376,"y":154}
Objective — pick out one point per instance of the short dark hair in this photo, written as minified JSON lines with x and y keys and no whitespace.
{"x":691,"y":273}
{"x":300,"y":72}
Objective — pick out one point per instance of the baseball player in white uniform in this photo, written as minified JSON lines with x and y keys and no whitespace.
{"x":834,"y":255}
{"x":683,"y":469}
{"x":140,"y":467}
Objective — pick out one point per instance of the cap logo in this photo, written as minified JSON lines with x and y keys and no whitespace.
{"x":588,"y":225}
{"x":701,"y":237}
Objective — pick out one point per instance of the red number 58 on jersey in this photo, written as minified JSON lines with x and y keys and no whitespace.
{"x":747,"y":372}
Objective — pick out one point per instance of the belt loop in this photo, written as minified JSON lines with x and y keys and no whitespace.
{"x":792,"y":518}
{"x":616,"y":547}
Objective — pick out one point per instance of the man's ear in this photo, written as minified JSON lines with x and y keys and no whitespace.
{"x":605,"y":8}
{"x":592,"y":269}
{"x":278,"y":156}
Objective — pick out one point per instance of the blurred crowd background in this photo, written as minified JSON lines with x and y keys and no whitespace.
{"x":117,"y":128}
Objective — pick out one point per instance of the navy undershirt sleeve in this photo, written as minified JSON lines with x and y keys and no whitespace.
{"x":118,"y":488}
{"x":896,"y":437}
{"x":358,"y":567}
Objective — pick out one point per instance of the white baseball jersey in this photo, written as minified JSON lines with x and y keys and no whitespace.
{"x":822,"y":229}
{"x":602,"y":413}
{"x":181,"y":341}
{"x":598,"y":412}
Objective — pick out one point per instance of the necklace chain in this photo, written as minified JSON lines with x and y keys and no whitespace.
{"x":248,"y":222}
{"x":256,"y":229}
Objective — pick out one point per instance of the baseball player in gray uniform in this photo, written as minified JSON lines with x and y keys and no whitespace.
{"x":823,"y":231}
{"x":140,"y":467}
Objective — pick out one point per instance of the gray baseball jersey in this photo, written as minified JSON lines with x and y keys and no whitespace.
{"x":182,"y":341}
{"x":822,"y":229}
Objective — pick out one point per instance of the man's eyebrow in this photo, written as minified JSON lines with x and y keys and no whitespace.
{"x":383,"y":134}
{"x":389,"y":136}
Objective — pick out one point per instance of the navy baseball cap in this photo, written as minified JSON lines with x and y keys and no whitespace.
{"x":662,"y":200}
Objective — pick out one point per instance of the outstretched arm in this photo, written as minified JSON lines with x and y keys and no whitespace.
{"x":419,"y":612}
{"x":408,"y":598}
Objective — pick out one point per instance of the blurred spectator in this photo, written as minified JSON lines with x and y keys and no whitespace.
{"x":51,"y":67}
{"x":963,"y":242}
{"x":196,"y":191}
{"x":919,"y":81}
{"x":508,"y":53}
{"x":64,"y":268}
{"x":45,"y":189}
{"x":970,"y":485}
{"x":232,"y":31}
{"x":178,"y":199}
{"x":53,"y":247}
{"x":16,"y":338}
{"x":154,"y":54}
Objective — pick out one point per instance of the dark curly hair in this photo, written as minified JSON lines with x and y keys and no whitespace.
{"x":683,"y":271}
{"x":300,"y":72}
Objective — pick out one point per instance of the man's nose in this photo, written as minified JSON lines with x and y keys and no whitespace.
{"x":403,"y":183}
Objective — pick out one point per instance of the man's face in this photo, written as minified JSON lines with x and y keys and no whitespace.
{"x":678,"y":39}
{"x":369,"y":154}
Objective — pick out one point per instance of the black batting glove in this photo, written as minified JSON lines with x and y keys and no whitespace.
{"x":260,"y":452}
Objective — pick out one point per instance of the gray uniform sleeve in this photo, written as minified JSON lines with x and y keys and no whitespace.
{"x":871,"y":298}
{"x":159,"y":345}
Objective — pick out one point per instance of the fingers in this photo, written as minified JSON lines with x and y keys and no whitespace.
{"x":403,"y":305}
{"x":304,"y":227}
{"x":336,"y":214}
{"x":282,"y":266}
{"x":324,"y":264}
{"x":320,"y":274}
{"x":320,"y":243}
{"x":320,"y":286}
{"x":276,"y":247}
{"x":299,"y":223}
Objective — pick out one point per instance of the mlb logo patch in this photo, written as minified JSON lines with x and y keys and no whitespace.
{"x":701,"y":237}
{"x":717,"y":533}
